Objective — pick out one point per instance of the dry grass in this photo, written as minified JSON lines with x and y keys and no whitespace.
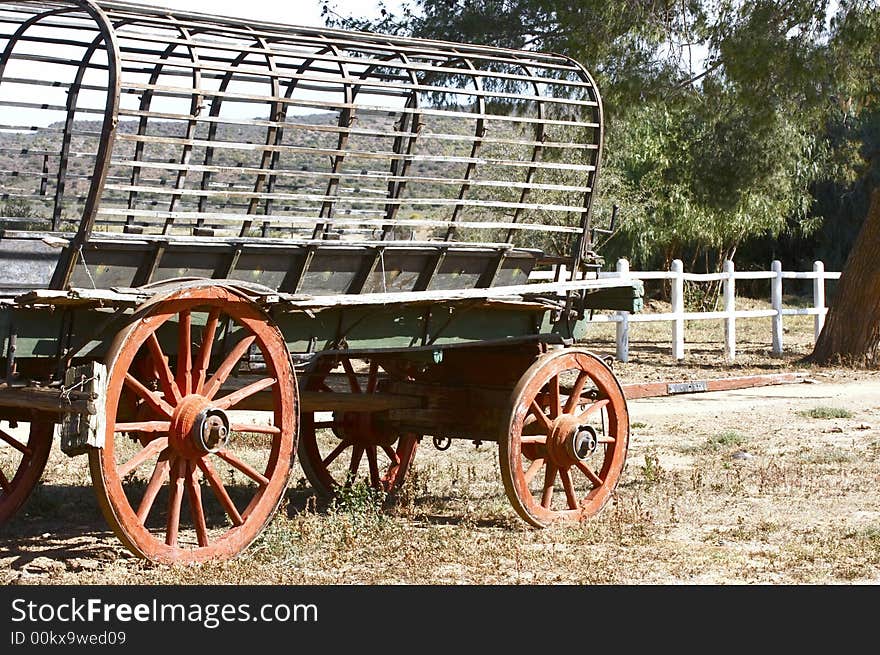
{"x":774,"y":496}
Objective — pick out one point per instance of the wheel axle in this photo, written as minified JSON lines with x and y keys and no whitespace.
{"x":582,"y":443}
{"x":211,"y":430}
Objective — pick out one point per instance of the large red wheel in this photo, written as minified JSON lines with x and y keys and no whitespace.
{"x":177,"y":435}
{"x":351,"y":444}
{"x":24,"y":452}
{"x":567,"y":437}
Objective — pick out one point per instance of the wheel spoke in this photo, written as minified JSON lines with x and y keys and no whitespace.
{"x":356,"y":454}
{"x":15,"y":443}
{"x":147,"y":452}
{"x":184,"y":353}
{"x":595,"y":407}
{"x":175,"y":500}
{"x":143,"y":426}
{"x":586,"y":470}
{"x":534,"y":467}
{"x":372,"y":461}
{"x":392,"y":455}
{"x":258,"y":429}
{"x":336,"y":453}
{"x":194,"y":491}
{"x":203,"y":359}
{"x":549,"y":479}
{"x":570,"y":496}
{"x":148,"y":396}
{"x":539,"y":414}
{"x":352,"y":378}
{"x":216,"y":381}
{"x":555,"y":398}
{"x":153,"y":487}
{"x":166,"y":378}
{"x":533,"y":438}
{"x":220,"y":491}
{"x":249,"y":471}
{"x":236,"y":397}
{"x":373,"y":378}
{"x":575,"y":394}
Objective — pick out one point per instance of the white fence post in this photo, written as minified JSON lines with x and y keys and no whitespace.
{"x":776,"y":302}
{"x":623,"y":321}
{"x":678,"y":309}
{"x":818,"y":299}
{"x":729,"y":287}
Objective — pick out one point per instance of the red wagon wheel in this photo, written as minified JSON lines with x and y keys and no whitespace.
{"x":188,"y":437}
{"x":352,"y":444}
{"x":567,"y":438}
{"x":22,"y":460}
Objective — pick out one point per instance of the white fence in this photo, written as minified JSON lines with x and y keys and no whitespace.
{"x":729,"y":314}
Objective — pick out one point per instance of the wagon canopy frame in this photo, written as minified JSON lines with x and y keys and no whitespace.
{"x":141,"y":130}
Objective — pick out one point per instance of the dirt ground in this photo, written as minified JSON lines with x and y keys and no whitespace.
{"x":771,"y":485}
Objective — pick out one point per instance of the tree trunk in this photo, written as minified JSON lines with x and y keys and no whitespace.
{"x":851,"y":334}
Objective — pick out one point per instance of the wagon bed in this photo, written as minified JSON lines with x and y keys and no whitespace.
{"x":336,"y":230}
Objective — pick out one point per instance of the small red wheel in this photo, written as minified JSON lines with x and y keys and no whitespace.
{"x":22,"y":460}
{"x":567,"y":438}
{"x":188,"y":436}
{"x":352,"y":444}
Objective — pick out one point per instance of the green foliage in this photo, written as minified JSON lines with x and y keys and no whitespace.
{"x":360,"y":503}
{"x":726,"y":439}
{"x":827,"y":412}
{"x":652,"y":472}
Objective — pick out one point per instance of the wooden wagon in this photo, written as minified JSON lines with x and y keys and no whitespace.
{"x":226,"y":242}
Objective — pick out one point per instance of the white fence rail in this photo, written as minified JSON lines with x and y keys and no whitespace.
{"x":728,"y":277}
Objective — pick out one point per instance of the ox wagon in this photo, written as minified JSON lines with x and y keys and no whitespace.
{"x":226,"y":243}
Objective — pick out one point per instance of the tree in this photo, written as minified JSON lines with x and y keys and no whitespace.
{"x":851,"y":333}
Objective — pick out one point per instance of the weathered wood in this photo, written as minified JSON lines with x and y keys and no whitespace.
{"x":461,"y":411}
{"x":317,"y":401}
{"x":44,"y":399}
{"x":98,"y":297}
{"x":626,"y":298}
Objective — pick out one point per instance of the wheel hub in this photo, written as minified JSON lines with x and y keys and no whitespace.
{"x":582,"y":443}
{"x":571,"y":441}
{"x":197,"y":428}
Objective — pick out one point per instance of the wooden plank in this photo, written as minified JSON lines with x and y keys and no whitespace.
{"x":623,"y":298}
{"x":318,"y":401}
{"x":636,"y":390}
{"x":501,"y":294}
{"x":43,"y":399}
{"x":80,"y":297}
{"x":456,"y":411}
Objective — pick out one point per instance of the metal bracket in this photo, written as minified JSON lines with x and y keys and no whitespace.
{"x":80,"y":432}
{"x":686,"y":387}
